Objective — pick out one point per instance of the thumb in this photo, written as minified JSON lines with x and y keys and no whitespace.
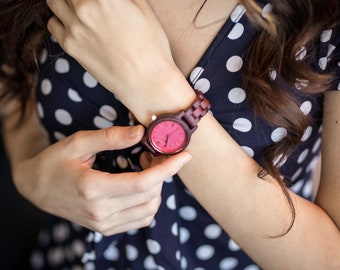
{"x":113,"y":138}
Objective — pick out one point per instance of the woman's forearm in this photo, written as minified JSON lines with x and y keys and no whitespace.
{"x":25,"y":139}
{"x":224,"y":180}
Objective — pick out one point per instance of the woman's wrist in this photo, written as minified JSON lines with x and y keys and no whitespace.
{"x":166,"y":92}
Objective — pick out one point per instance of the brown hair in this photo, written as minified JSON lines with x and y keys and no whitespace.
{"x":292,"y":25}
{"x":22,"y":25}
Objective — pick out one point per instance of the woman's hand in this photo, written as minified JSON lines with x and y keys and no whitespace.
{"x":66,"y":185}
{"x":122,"y":44}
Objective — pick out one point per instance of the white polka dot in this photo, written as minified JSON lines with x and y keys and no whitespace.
{"x":234,"y":63}
{"x":89,"y":266}
{"x":132,"y":232}
{"x":88,"y":256}
{"x":228,"y":263}
{"x":89,"y":80}
{"x":174,"y":229}
{"x":46,"y":86}
{"x":62,"y":65}
{"x":212,"y":231}
{"x":188,"y":213}
{"x":267,"y":9}
{"x":108,"y":112}
{"x":250,"y":152}
{"x":237,"y":14}
{"x":312,"y":164}
{"x":131,"y":252}
{"x":301,"y":54}
{"x":184,"y":263}
{"x":153,"y":246}
{"x":273,"y":74}
{"x":101,"y":122}
{"x":53,"y":39}
{"x":55,"y":256}
{"x":169,"y":180}
{"x":149,"y":263}
{"x":73,"y":95}
{"x":278,"y":134}
{"x":326,"y":35}
{"x":205,"y":252}
{"x":78,"y":247}
{"x":301,"y":84}
{"x":307,"y":189}
{"x":236,"y":32}
{"x":202,"y":85}
{"x":122,"y":162}
{"x":306,"y":107}
{"x":37,"y":260}
{"x":97,"y":237}
{"x":59,"y":136}
{"x":323,"y":63}
{"x":178,"y":255}
{"x":307,"y":134}
{"x":112,"y":252}
{"x":297,"y":186}
{"x":303,"y":156}
{"x":233,"y":246}
{"x":43,"y":56}
{"x":60,"y":232}
{"x":63,"y":117}
{"x":40,"y":110}
{"x":184,"y":235}
{"x":195,"y":74}
{"x":242,"y":124}
{"x":153,"y":223}
{"x":237,"y":95}
{"x":136,"y":150}
{"x":90,"y":237}
{"x":296,"y":174}
{"x":171,"y":202}
{"x":316,"y":146}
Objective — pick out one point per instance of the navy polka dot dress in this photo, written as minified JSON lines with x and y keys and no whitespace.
{"x":182,"y":234}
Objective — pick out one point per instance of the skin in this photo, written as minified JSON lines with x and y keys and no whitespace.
{"x":60,"y":180}
{"x":247,"y":208}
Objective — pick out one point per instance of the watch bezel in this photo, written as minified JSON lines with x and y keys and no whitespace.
{"x":168,"y":117}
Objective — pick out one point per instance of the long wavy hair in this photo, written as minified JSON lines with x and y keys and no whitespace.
{"x":290,"y":26}
{"x":22,"y":29}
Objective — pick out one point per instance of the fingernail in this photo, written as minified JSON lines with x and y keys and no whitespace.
{"x":133,"y":131}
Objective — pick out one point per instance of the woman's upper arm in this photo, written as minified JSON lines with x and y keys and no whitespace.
{"x":328,"y":196}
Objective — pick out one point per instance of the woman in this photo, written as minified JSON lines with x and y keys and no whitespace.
{"x":265,"y":68}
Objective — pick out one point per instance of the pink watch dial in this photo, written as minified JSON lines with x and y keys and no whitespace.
{"x":168,"y":136}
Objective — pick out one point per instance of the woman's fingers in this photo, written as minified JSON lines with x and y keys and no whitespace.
{"x":131,"y":183}
{"x":85,"y":143}
{"x":61,"y":9}
{"x":127,"y":219}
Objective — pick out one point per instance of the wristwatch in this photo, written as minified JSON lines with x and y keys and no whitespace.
{"x":169,"y":134}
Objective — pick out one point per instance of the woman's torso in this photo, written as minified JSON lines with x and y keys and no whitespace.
{"x":183,"y":235}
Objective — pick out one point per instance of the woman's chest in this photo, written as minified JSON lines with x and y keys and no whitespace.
{"x":191,"y":26}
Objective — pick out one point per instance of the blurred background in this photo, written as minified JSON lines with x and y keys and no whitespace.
{"x":20,"y":221}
